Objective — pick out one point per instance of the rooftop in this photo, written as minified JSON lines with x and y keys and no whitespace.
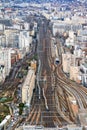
{"x":6,"y":22}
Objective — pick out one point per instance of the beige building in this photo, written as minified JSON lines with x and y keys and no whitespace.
{"x":34,"y":64}
{"x":68,"y":59}
{"x":74,"y":73}
{"x":28,"y":86}
{"x":11,"y":37}
{"x":71,"y":65}
{"x":70,"y":41}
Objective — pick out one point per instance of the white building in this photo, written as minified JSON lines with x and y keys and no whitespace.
{"x":5,"y":62}
{"x":78,"y":53}
{"x":28,"y":86}
{"x":2,"y":27}
{"x":24,"y":40}
{"x":65,"y":26}
{"x":82,"y":35}
{"x":83,"y":68}
{"x":3,"y":40}
{"x":2,"y":72}
{"x":12,"y":37}
{"x":26,"y":26}
{"x":58,"y":27}
{"x":35,"y":26}
{"x":70,"y":41}
{"x":18,"y":26}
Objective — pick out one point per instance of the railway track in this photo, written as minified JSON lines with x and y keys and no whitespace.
{"x":50,"y":108}
{"x":70,"y":88}
{"x":46,"y":113}
{"x":58,"y":117}
{"x":77,"y":91}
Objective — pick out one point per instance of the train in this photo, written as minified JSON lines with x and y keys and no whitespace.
{"x":47,"y":108}
{"x":46,"y":105}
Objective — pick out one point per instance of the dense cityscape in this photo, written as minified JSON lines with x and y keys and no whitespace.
{"x":43,"y":65}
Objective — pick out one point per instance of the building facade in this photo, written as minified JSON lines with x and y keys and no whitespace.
{"x":28,"y":86}
{"x":5,"y":62}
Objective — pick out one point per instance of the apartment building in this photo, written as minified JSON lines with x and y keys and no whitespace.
{"x":83,"y":73}
{"x":25,"y":40}
{"x":12,"y":38}
{"x":5,"y":62}
{"x":76,"y":66}
{"x":28,"y":86}
{"x":74,"y":73}
{"x":2,"y":40}
{"x":68,"y":59}
{"x":70,"y":41}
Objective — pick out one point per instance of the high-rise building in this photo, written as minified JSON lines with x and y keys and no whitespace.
{"x":5,"y":62}
{"x":25,"y":40}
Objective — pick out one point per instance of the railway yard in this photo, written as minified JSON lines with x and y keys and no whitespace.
{"x":56,"y":100}
{"x":60,"y":98}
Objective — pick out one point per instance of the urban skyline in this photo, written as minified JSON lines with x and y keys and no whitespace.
{"x":43,"y":65}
